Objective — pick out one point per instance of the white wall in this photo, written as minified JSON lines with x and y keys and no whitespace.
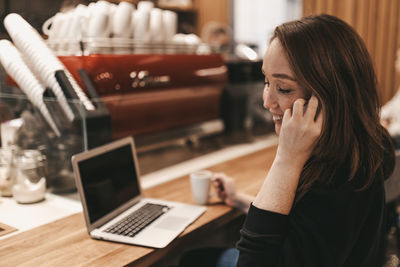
{"x":255,"y":20}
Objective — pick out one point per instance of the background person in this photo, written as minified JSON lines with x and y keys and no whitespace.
{"x":218,"y":35}
{"x":390,"y":113}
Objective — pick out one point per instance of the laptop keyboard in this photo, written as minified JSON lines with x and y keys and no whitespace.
{"x":137,"y":220}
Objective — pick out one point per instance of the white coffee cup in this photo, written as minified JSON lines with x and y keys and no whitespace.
{"x":49,"y":25}
{"x":75,"y":27}
{"x":142,"y":25}
{"x":122,"y":20}
{"x":98,"y":25}
{"x":83,"y":13}
{"x":145,"y":5}
{"x":100,"y":19}
{"x":200,"y":184}
{"x":156,"y":25}
{"x":59,"y":26}
{"x":170,"y":24}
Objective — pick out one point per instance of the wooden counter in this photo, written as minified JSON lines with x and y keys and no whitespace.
{"x":66,"y":242}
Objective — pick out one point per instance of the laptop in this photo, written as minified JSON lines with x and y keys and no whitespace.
{"x":108,"y":182}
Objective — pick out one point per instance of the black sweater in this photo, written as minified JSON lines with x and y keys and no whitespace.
{"x":333,"y":227}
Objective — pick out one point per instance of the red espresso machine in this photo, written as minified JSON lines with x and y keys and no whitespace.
{"x":149,"y":94}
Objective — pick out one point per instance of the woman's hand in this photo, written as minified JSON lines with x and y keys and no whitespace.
{"x":225,"y":188}
{"x":300,"y":131}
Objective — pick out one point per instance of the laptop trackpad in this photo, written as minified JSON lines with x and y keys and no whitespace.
{"x":172,"y":223}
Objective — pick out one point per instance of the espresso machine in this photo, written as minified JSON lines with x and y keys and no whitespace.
{"x":154,"y":90}
{"x":151,"y":95}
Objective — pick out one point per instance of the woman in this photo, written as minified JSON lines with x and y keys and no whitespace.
{"x":322,"y":202}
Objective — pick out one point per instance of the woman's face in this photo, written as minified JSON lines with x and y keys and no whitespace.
{"x":281,"y":88}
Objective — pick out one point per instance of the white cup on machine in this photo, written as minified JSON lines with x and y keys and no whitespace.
{"x":200,"y":184}
{"x":170,"y":24}
{"x":121,"y":23}
{"x":98,"y":25}
{"x":156,"y":25}
{"x":51,"y":27}
{"x":83,"y":13}
{"x":73,"y":34}
{"x":142,"y":25}
{"x":145,"y":5}
{"x":142,"y":21}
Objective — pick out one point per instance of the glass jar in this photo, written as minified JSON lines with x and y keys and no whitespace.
{"x":7,"y":179}
{"x":29,"y":164}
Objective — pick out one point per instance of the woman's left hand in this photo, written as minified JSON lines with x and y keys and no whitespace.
{"x":300,"y":130}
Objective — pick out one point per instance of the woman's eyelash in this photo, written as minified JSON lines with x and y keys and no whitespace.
{"x":284,"y":91}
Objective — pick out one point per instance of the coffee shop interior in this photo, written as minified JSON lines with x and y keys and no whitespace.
{"x":183,"y":79}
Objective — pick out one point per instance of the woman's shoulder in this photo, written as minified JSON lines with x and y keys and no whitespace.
{"x":341,"y":198}
{"x":344,"y":187}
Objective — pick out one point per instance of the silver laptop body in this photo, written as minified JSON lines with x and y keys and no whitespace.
{"x":108,"y":182}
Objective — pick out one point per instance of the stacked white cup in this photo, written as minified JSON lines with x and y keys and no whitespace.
{"x":170,"y":21}
{"x":122,"y":28}
{"x":122,"y":20}
{"x":142,"y":21}
{"x":94,"y":24}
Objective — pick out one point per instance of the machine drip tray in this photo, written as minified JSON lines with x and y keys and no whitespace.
{"x":182,"y":136}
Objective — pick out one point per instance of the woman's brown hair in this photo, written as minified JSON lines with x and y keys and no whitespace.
{"x":330,"y":61}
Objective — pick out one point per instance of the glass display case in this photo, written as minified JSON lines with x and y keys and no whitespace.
{"x":24,"y":128}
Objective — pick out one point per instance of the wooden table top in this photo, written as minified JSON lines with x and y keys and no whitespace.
{"x":65,"y":242}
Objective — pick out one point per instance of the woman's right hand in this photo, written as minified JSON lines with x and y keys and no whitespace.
{"x":225,"y":188}
{"x":301,"y":128}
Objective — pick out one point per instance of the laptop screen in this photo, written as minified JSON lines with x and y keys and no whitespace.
{"x":109,"y":180}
